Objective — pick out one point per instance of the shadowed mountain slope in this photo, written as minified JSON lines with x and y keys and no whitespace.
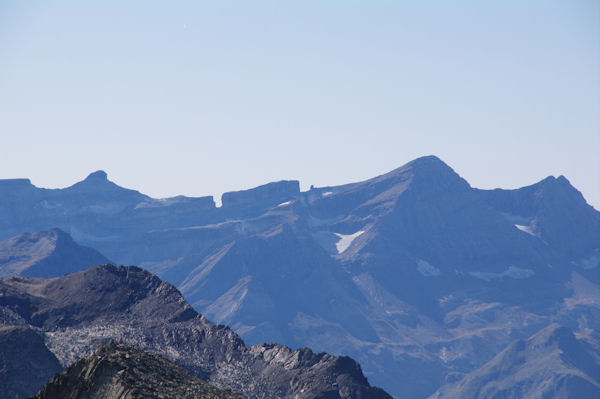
{"x":25,"y":362}
{"x":45,"y":254}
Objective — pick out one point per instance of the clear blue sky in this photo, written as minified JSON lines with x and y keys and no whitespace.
{"x":198,"y":98}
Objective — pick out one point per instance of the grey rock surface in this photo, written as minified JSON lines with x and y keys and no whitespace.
{"x":78,"y":312}
{"x":120,"y":371}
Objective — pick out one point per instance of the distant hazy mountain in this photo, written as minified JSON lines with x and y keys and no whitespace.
{"x":121,"y":371}
{"x":550,"y":364}
{"x":414,"y":273}
{"x":78,"y":312}
{"x":45,"y":254}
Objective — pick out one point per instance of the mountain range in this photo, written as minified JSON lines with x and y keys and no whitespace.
{"x":419,"y":276}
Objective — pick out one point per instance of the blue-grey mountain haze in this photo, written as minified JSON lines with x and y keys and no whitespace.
{"x":420,"y":277}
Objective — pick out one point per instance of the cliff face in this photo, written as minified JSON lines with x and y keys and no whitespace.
{"x":78,"y":312}
{"x":121,"y":371}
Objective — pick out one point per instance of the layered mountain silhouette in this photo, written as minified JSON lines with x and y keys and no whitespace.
{"x":414,"y":273}
{"x":45,"y":254}
{"x":76,"y":313}
{"x":120,"y":371}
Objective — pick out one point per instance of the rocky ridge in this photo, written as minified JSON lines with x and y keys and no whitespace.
{"x":78,"y":312}
{"x":120,"y":371}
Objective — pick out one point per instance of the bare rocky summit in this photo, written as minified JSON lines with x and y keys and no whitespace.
{"x":79,"y":312}
{"x":120,"y":371}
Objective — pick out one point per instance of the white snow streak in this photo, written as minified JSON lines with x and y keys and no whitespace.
{"x":346,"y":240}
{"x":525,"y":229}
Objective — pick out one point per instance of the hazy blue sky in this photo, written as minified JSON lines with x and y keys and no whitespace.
{"x":198,"y":98}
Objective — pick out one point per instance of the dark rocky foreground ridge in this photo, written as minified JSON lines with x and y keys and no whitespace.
{"x":120,"y":371}
{"x":78,"y":312}
{"x":419,"y":276}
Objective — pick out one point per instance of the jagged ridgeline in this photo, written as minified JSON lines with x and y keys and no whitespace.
{"x":74,"y":314}
{"x":120,"y":371}
{"x":418,"y":276}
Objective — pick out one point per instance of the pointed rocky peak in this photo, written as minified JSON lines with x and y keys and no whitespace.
{"x":425,"y":177}
{"x":96,"y":187}
{"x":430,"y":161}
{"x":558,"y":190}
{"x":95,"y":180}
{"x":96,"y":176}
{"x":428,"y":171}
{"x":432,"y":170}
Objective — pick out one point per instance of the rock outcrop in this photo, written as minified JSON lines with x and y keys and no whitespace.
{"x":78,"y":312}
{"x":120,"y":371}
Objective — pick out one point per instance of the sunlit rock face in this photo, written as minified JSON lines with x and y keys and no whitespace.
{"x":414,"y":273}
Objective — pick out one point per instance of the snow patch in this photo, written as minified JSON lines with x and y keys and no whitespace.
{"x":526,"y":229}
{"x":327,"y":194}
{"x":285,"y":203}
{"x":427,"y":269}
{"x":346,"y":240}
{"x":512,"y":272}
